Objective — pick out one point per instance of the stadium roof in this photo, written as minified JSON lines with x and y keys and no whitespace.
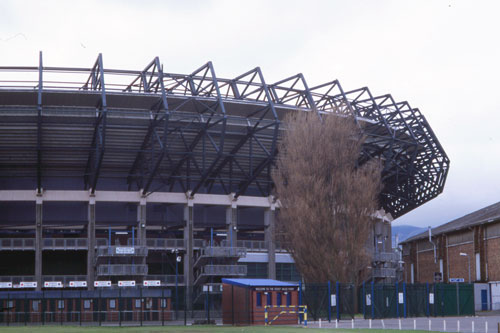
{"x":105,"y":129}
{"x":487,"y":214}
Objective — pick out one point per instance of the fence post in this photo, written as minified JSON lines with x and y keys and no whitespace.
{"x":80,"y":311}
{"x":404,"y":300}
{"x":119,"y":307}
{"x":163,"y":299}
{"x":26,"y":305}
{"x":397,"y":301}
{"x":185,"y":307}
{"x":142,"y":303}
{"x":329,"y":303}
{"x":300,"y":299}
{"x":364,"y":300}
{"x":337,"y":287}
{"x":232,"y":304}
{"x":427,"y":308}
{"x":99,"y":306}
{"x":373,"y":299}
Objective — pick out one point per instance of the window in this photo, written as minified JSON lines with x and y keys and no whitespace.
{"x":86,"y":304}
{"x":137,"y":303}
{"x":35,"y":305}
{"x":60,"y":304}
{"x":278,"y":299}
{"x":269,"y":299}
{"x":287,"y":272}
{"x":256,"y":270}
{"x":259,"y":299}
{"x":112,"y":303}
{"x":163,"y":303}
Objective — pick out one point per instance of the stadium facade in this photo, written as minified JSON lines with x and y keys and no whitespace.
{"x":147,"y":176}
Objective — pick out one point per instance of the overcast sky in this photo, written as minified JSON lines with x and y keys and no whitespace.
{"x":441,"y":56}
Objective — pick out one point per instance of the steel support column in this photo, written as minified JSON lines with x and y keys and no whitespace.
{"x":141,"y":226}
{"x":270,"y":242}
{"x":232,"y":225}
{"x":38,"y":242}
{"x":188,"y":256}
{"x":39,"y":126}
{"x":91,"y":244}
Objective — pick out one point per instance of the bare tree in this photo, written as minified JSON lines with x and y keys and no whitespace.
{"x":327,"y":198}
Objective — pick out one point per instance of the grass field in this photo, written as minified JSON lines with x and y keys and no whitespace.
{"x":184,"y":329}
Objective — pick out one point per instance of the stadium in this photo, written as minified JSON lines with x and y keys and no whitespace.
{"x":118,"y":176}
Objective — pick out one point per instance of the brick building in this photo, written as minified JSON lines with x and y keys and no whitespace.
{"x":469,"y":241}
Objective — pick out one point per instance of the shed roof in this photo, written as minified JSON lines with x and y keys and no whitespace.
{"x":259,"y":283}
{"x":484,"y":215}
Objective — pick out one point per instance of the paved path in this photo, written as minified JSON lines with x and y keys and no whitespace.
{"x":446,"y":324}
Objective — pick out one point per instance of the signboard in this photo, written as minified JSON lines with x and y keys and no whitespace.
{"x":5,"y":284}
{"x":77,"y":284}
{"x":431,"y":298}
{"x":27,"y":285}
{"x":456,"y":280}
{"x":52,"y":284}
{"x":102,"y":283}
{"x":275,"y":288}
{"x":333,"y":300}
{"x":438,"y":277}
{"x":368,"y":299}
{"x":126,"y":283}
{"x":401,"y":298}
{"x":151,"y":283}
{"x":125,"y":250}
{"x":208,"y":288}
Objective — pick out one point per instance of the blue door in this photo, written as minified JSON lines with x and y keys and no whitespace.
{"x":484,"y":300}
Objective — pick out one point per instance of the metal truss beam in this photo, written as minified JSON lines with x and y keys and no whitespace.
{"x":255,"y":85}
{"x":150,"y":80}
{"x":39,"y":126}
{"x":94,"y":162}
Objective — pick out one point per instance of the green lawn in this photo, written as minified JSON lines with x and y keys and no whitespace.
{"x":186,"y":329}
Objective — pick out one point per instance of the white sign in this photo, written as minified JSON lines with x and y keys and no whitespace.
{"x":5,"y":284}
{"x":368,"y":299}
{"x":333,"y":301}
{"x":208,"y":288}
{"x":52,"y":284}
{"x":456,"y":280}
{"x":27,"y":285}
{"x":431,"y":298}
{"x":401,"y":298}
{"x":125,"y":250}
{"x":77,"y":284}
{"x":151,"y":283}
{"x":126,"y":283}
{"x":102,"y":283}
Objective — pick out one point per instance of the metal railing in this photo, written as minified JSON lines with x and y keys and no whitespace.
{"x":22,"y":244}
{"x":121,"y":251}
{"x":168,"y":243}
{"x":386,"y":256}
{"x":122,"y":269}
{"x":384,"y":272}
{"x":65,"y":279}
{"x":253,"y":245}
{"x":227,"y":270}
{"x":220,"y":251}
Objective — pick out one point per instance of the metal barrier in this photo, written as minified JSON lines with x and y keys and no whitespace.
{"x":282,"y":307}
{"x":122,"y":269}
{"x":23,"y":244}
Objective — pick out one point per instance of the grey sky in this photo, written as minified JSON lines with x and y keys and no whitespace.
{"x":441,"y":56}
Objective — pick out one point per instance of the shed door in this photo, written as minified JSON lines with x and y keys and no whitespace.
{"x":495,"y":295}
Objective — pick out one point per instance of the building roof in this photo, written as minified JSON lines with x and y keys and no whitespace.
{"x":485,"y":215}
{"x":259,"y":283}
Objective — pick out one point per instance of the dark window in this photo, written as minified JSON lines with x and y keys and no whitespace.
{"x":259,"y":299}
{"x":278,"y":299}
{"x":287,"y":272}
{"x":256,"y":270}
{"x":269,"y":298}
{"x":289,"y":299}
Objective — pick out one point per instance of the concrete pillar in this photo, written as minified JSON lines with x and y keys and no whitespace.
{"x":38,"y":241}
{"x":232,"y":225}
{"x":269,"y":216}
{"x":141,"y":227}
{"x":188,"y":255}
{"x":91,"y":245}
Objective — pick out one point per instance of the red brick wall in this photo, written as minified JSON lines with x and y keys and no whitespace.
{"x":493,"y":258}
{"x":459,"y":265}
{"x":426,"y":267}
